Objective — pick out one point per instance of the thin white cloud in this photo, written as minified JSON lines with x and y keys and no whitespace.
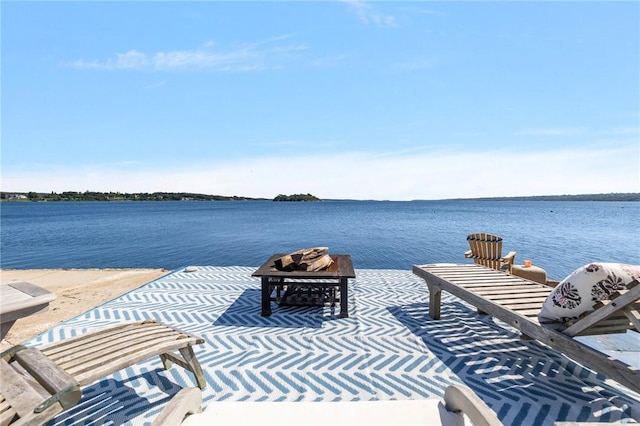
{"x":367,"y":14}
{"x":417,"y":64}
{"x":400,"y":152}
{"x":624,"y":131}
{"x":423,"y":11}
{"x":261,"y":55}
{"x":560,"y":131}
{"x":132,"y":60}
{"x":156,"y":85}
{"x":300,"y":144}
{"x":329,"y":61}
{"x":421,"y":175}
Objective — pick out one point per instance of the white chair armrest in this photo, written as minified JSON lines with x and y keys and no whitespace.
{"x":587,"y":424}
{"x":458,"y":398}
{"x":187,"y":401}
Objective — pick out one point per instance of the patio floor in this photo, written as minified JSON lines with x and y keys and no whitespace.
{"x":389,"y":348}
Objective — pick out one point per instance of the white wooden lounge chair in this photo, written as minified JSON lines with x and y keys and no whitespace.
{"x":21,"y":299}
{"x":460,"y":404}
{"x":518,"y":302}
{"x":486,"y":250}
{"x":39,"y":383}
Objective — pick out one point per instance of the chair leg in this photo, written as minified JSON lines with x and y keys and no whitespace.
{"x":435,"y":297}
{"x":194,"y":365}
{"x":188,"y":361}
{"x":166,"y":361}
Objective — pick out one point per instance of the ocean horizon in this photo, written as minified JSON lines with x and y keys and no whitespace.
{"x":559,"y":236}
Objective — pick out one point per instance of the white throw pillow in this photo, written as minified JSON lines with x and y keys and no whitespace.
{"x":579,"y":292}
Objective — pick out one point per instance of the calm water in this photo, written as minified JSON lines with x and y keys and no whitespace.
{"x":559,"y":236}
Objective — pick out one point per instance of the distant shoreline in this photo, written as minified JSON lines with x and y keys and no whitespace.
{"x":6,"y":196}
{"x":629,"y":196}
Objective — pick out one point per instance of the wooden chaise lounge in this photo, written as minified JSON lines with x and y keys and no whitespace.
{"x":518,"y":302}
{"x":39,"y":383}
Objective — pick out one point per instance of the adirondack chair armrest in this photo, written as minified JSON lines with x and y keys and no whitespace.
{"x":509,"y":259}
{"x":186,"y":402}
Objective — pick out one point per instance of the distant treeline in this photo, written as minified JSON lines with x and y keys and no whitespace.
{"x":116,"y":196}
{"x":188,"y":196}
{"x":628,"y":196}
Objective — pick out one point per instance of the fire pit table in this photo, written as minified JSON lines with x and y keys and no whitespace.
{"x":307,"y":288}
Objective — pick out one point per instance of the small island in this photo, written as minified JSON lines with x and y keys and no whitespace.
{"x":296,"y":197}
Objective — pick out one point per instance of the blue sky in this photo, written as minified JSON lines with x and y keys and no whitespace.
{"x":341,"y":99}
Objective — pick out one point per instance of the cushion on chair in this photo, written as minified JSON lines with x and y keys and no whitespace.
{"x":584,"y":288}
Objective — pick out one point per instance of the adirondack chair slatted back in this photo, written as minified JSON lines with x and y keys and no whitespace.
{"x":486,"y":250}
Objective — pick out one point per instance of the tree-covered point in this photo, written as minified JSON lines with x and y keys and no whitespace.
{"x":296,"y":197}
{"x":115,"y":196}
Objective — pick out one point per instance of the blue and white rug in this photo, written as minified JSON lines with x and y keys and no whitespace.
{"x":389,"y":348}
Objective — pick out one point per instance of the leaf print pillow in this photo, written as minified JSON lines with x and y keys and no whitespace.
{"x":584,"y":288}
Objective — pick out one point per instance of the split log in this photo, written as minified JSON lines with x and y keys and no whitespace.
{"x":317,"y":264}
{"x":288,"y":263}
{"x":312,"y":253}
{"x":310,"y":259}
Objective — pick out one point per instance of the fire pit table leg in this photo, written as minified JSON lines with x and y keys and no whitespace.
{"x":266,"y":297}
{"x":344,"y":298}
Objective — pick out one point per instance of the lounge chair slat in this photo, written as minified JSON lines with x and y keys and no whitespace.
{"x":4,"y":404}
{"x":102,"y":354}
{"x":106,"y":334}
{"x":103,"y":368}
{"x":506,"y":299}
{"x":106,"y":346}
{"x":23,"y":398}
{"x":607,"y":328}
{"x":520,"y":295}
{"x":7,"y":415}
{"x":50,"y":376}
{"x":523,"y":307}
{"x":510,"y":290}
{"x":530,"y":314}
{"x":633,"y":314}
{"x":92,"y":335}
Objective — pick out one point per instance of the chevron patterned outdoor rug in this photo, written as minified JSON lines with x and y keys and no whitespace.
{"x":389,"y":348}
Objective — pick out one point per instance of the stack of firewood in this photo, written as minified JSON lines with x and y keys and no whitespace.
{"x":311,"y":259}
